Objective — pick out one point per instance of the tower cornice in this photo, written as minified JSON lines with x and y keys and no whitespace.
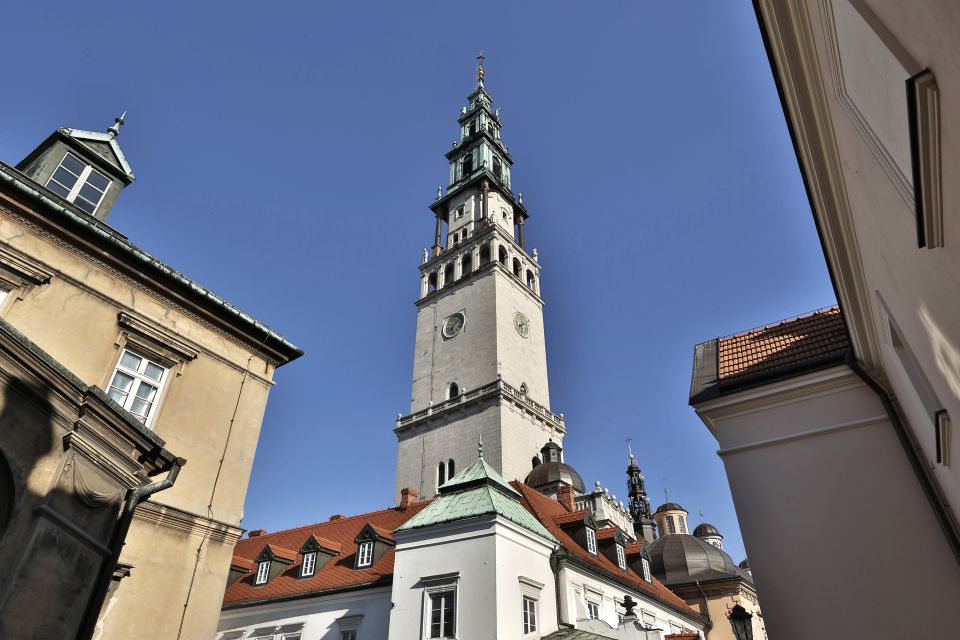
{"x":438,"y":206}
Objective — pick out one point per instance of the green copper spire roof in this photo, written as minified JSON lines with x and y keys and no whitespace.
{"x":477,"y":490}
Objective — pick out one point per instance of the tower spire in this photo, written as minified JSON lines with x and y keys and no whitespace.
{"x":114,"y":129}
{"x":637,"y":500}
{"x":480,"y":59}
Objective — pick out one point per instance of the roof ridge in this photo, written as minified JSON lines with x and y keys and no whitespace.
{"x":343,"y":519}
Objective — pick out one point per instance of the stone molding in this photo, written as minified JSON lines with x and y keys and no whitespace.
{"x":183,"y":521}
{"x":498,"y":390}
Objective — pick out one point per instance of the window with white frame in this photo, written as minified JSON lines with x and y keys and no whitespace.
{"x":529,"y":615}
{"x":263,"y":572}
{"x":593,"y":609}
{"x":443,"y":614}
{"x":136,"y":385}
{"x":646,"y":569}
{"x":77,"y":182}
{"x":621,"y":558}
{"x":309,"y":564}
{"x":365,"y":552}
{"x":591,"y":541}
{"x":348,"y":635}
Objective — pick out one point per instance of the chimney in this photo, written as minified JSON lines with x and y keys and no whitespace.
{"x":407,"y":497}
{"x":336,"y":517}
{"x":565,"y":496}
{"x":255,"y":532}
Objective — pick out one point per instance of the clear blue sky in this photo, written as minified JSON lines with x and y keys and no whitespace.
{"x":285,"y":158}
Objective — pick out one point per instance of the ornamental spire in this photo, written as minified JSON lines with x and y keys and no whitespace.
{"x":114,"y":129}
{"x":480,"y":59}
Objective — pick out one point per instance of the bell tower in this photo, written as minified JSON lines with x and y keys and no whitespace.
{"x":480,"y":364}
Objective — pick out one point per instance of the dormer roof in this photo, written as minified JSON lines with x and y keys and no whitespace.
{"x":276,"y":552}
{"x":315,"y":543}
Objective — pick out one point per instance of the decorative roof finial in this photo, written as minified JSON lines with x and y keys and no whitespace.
{"x":480,"y":69}
{"x":480,"y":446}
{"x":114,"y":129}
{"x":630,"y":448}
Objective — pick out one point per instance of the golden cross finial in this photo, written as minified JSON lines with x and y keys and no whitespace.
{"x":480,"y":67}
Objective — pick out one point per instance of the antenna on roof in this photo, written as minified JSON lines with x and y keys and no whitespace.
{"x":114,"y":129}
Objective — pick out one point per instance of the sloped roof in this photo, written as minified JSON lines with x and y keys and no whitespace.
{"x":574,"y":634}
{"x":475,"y":491}
{"x":338,"y":573}
{"x":785,"y":345}
{"x":104,"y":145}
{"x":547,"y":511}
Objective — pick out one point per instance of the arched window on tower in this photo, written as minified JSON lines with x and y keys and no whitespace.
{"x":441,"y":475}
{"x":503,"y":255}
{"x":516,"y":267}
{"x":484,"y":254}
{"x":450,"y":469}
{"x":467,"y":165}
{"x":448,"y":274}
{"x":466,"y":266}
{"x":497,"y":168}
{"x":453,"y":390}
{"x":473,"y":127}
{"x":432,"y":281}
{"x":530,"y":280}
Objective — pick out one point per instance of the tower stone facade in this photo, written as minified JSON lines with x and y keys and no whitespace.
{"x":480,"y":364}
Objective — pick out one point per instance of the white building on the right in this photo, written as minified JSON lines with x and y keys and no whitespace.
{"x":835,"y":427}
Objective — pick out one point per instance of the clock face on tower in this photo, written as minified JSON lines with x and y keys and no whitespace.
{"x":452,"y":325}
{"x":522,"y":323}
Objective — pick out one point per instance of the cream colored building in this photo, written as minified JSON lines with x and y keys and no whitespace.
{"x":193,"y":369}
{"x":837,"y":428}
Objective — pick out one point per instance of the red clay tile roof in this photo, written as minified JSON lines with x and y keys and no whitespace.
{"x":243,"y":563}
{"x":606,"y":532}
{"x":635,"y":547}
{"x":571,"y":516}
{"x":283,"y":552}
{"x":329,"y":544}
{"x":338,"y":573}
{"x":549,"y":511}
{"x":768,"y":351}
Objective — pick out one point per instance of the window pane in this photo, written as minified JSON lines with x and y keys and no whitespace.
{"x":90,"y":194}
{"x":153,"y":371}
{"x":58,"y":188}
{"x":86,"y":205}
{"x":122,"y":381}
{"x":140,"y":408}
{"x":146,"y":392}
{"x":65,"y":178}
{"x":118,"y":396}
{"x":131,"y":361}
{"x":73,"y":163}
{"x":98,"y":180}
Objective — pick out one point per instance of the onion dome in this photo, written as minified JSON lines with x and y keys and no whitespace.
{"x":707,"y":530}
{"x":680,"y":559}
{"x":745,"y":565}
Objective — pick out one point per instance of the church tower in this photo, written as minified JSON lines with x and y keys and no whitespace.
{"x":480,"y":364}
{"x":639,"y":505}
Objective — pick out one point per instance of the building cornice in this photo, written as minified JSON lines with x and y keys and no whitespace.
{"x":496,"y":392}
{"x":791,"y":49}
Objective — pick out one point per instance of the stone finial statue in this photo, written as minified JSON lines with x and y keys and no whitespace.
{"x":536,"y":254}
{"x":463,"y":111}
{"x":426,"y":256}
{"x":628,"y":605}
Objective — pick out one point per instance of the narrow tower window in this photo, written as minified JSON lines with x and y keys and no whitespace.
{"x":467,"y":165}
{"x":453,"y":390}
{"x":441,"y":475}
{"x":497,"y":167}
{"x":503,"y":256}
{"x":516,"y":267}
{"x":467,"y":265}
{"x":484,"y":254}
{"x":450,"y":469}
{"x":530,"y":280}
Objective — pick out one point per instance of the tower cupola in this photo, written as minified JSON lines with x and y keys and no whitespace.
{"x":638,"y":503}
{"x":86,"y":169}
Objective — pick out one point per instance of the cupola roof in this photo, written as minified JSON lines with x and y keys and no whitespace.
{"x":669,"y":506}
{"x":706,"y":530}
{"x":679,"y":559}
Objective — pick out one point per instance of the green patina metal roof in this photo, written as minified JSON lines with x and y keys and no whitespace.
{"x":574,"y":634}
{"x":477,"y":490}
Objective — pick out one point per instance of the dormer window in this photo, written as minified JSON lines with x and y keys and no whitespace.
{"x":365,"y":554}
{"x":591,"y":541}
{"x":79,"y":183}
{"x":309,"y":566}
{"x":263,"y":572}
{"x":621,"y":557}
{"x":646,"y":569}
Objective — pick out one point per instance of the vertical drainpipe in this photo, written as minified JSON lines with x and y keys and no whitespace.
{"x":520,"y":231}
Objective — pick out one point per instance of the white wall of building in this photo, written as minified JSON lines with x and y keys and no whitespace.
{"x":841,"y":540}
{"x":318,"y":614}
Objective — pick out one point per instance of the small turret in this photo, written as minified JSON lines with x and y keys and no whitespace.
{"x":84,"y":168}
{"x":639,"y":505}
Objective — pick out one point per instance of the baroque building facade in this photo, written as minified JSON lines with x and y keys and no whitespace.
{"x":132,"y":400}
{"x":493,"y":534}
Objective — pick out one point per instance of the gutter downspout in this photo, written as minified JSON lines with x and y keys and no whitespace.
{"x":555,"y":567}
{"x":134,"y":497}
{"x":929,"y":486}
{"x":705,"y":603}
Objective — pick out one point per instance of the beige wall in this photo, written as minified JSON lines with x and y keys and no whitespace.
{"x":212,"y":407}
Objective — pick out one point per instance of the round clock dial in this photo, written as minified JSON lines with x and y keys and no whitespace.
{"x":522,"y":323}
{"x":452,"y":325}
